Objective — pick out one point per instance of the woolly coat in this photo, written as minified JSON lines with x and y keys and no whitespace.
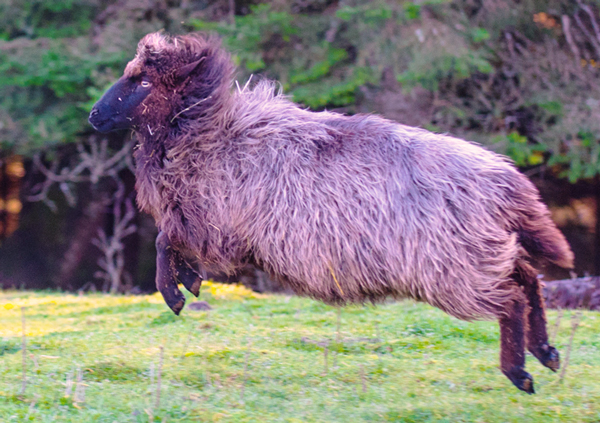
{"x":339,"y":208}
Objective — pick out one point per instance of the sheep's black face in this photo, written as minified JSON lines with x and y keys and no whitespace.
{"x":116,"y":109}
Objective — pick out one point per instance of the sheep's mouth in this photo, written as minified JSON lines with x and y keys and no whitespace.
{"x":111,"y":123}
{"x":99,"y":124}
{"x":103,"y":126}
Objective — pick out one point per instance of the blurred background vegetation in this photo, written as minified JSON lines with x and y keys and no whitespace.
{"x":519,"y":76}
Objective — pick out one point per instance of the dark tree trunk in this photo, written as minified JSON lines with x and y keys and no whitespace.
{"x":132,"y":242}
{"x":84,"y":229}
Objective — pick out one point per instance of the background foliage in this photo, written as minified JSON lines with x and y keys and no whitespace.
{"x":518,"y":76}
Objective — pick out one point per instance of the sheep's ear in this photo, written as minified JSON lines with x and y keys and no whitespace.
{"x":184,"y":71}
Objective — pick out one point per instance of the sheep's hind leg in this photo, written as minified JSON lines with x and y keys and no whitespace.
{"x":512,"y":347}
{"x":537,"y":336}
{"x":166,"y":282}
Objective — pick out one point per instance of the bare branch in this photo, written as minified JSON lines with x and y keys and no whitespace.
{"x":95,"y":161}
{"x":566,"y":23}
{"x":587,"y":33}
{"x":588,"y":10}
{"x":113,"y":261}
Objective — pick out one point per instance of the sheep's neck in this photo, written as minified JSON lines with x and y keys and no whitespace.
{"x":150,"y":146}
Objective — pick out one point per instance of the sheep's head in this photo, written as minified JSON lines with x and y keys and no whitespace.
{"x":166,"y":77}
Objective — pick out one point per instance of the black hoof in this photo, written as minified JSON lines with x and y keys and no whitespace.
{"x":190,"y":279}
{"x":178,"y":307}
{"x":195,"y":288}
{"x":521,"y":379}
{"x":548,"y":356}
{"x":174,"y":298}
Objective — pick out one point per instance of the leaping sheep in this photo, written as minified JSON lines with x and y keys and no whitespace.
{"x":344,"y":209}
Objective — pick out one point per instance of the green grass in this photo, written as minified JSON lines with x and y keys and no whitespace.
{"x":416,"y":363}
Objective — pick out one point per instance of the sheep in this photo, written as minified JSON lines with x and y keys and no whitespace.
{"x":344,"y":209}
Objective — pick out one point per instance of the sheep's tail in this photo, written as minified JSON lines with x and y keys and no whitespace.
{"x":540,"y":237}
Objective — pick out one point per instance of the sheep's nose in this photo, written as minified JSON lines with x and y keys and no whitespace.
{"x":94,"y":118}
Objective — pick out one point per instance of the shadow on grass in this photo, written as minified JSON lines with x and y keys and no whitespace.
{"x":9,"y":347}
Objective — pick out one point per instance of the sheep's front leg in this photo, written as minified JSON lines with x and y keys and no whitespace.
{"x":166,"y":282}
{"x":512,"y":347}
{"x":172,"y":267}
{"x":185,"y":273}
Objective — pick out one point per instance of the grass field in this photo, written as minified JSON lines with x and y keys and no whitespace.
{"x":262,"y":358}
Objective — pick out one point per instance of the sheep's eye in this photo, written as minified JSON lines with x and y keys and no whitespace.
{"x":145,"y":84}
